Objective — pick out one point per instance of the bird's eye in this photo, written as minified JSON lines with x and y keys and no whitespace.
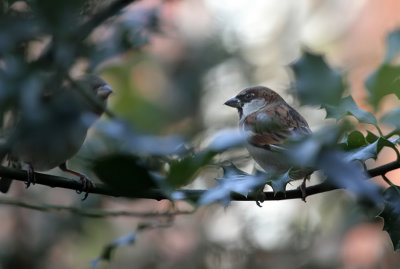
{"x":248,"y":96}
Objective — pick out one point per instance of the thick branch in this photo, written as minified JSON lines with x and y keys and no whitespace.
{"x":67,"y":183}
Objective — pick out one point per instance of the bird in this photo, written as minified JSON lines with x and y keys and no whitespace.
{"x":266,"y":121}
{"x":58,"y":127}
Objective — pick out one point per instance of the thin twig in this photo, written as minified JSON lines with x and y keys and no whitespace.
{"x":392,"y":133}
{"x":90,"y":212}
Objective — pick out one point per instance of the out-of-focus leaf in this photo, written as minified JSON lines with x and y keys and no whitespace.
{"x":13,"y":31}
{"x":384,"y":81}
{"x":304,"y":152}
{"x":347,"y":106}
{"x":316,"y":82}
{"x":182,"y":171}
{"x":226,"y":139}
{"x":348,"y":175}
{"x":391,"y":215}
{"x":132,"y":32}
{"x":279,"y":184}
{"x":124,"y":173}
{"x":392,"y":46}
{"x":392,"y":118}
{"x":130,"y":141}
{"x":110,"y":248}
{"x":320,"y":152}
{"x":233,"y":180}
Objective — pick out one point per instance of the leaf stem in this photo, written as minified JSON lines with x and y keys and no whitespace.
{"x":387,"y":180}
{"x":392,"y":133}
{"x":379,"y":130}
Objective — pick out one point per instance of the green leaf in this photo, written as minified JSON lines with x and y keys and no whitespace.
{"x":384,"y":81}
{"x":347,"y":106}
{"x":355,"y":140}
{"x":233,"y":180}
{"x":392,"y":117}
{"x":391,"y":215}
{"x":392,"y":46}
{"x":183,"y":171}
{"x":316,"y":82}
{"x":124,"y":173}
{"x":371,"y":138}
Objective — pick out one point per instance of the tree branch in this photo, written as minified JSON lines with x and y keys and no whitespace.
{"x":67,"y":183}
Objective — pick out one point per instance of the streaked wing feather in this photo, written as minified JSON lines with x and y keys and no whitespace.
{"x":274,"y":126}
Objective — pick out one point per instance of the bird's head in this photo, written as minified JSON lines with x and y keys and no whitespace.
{"x":253,"y":99}
{"x":98,"y":88}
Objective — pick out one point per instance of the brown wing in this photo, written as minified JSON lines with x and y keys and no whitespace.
{"x":274,"y":126}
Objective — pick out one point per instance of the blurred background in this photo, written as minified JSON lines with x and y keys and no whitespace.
{"x":191,"y":57}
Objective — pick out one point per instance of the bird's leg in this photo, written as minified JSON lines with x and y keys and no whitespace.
{"x":303,"y":189}
{"x":260,"y":196}
{"x":87,"y":183}
{"x":31,"y":176}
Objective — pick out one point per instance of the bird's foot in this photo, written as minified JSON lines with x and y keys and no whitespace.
{"x":260,"y":197}
{"x":31,"y":176}
{"x":87,"y":184}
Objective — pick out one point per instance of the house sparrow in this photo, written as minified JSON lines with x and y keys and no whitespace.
{"x":56,"y":131}
{"x":266,"y":121}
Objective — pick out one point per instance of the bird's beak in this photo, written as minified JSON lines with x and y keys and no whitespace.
{"x":233,"y":102}
{"x":104,"y":91}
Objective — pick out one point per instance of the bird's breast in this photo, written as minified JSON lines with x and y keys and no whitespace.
{"x":269,"y":160}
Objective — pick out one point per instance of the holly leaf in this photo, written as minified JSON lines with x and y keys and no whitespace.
{"x":371,"y":137}
{"x":370,"y":151}
{"x":279,"y":184}
{"x":347,"y":174}
{"x":233,"y":181}
{"x":124,"y":173}
{"x":320,"y":152}
{"x":391,"y":215}
{"x":347,"y":106}
{"x":384,"y":81}
{"x":182,"y":171}
{"x":355,"y":140}
{"x":392,"y":118}
{"x":316,"y":82}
